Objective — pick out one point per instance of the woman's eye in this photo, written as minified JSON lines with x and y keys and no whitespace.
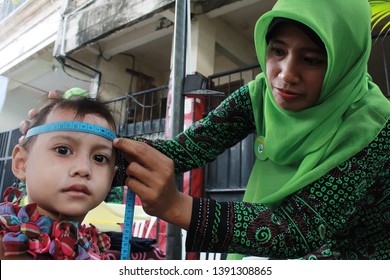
{"x":314,"y":61}
{"x":101,"y":158}
{"x":277,"y":51}
{"x":62,"y":150}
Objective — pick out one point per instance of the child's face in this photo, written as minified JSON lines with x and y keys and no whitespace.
{"x":69,"y":173}
{"x":296,"y":68}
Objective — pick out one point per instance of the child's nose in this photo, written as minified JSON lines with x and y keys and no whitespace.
{"x":81,"y":167}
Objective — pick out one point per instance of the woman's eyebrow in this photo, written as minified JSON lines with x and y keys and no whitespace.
{"x":313,"y":49}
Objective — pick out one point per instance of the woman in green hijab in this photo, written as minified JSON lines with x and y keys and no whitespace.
{"x":321,"y":182}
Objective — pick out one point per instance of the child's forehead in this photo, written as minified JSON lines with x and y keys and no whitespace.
{"x":70,"y":115}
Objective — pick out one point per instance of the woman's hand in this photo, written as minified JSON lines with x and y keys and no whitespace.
{"x":151,"y":176}
{"x":25,"y":125}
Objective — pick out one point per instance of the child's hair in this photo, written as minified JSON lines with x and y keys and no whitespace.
{"x":82,"y":106}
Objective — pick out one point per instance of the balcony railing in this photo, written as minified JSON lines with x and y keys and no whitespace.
{"x":142,"y":113}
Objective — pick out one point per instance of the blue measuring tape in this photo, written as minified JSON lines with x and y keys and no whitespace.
{"x":128,"y":226}
{"x":72,"y":126}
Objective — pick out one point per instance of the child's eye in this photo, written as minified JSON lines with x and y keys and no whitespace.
{"x":62,"y":150}
{"x":101,"y":158}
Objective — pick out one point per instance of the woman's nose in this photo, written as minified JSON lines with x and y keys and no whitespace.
{"x":289,"y":72}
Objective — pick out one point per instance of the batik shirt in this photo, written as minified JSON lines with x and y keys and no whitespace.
{"x":345,"y":214}
{"x":25,"y":231}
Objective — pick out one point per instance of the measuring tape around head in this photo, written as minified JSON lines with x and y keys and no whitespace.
{"x":128,"y":226}
{"x":72,"y":126}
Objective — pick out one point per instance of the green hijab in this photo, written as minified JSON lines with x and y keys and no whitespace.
{"x":293,"y":149}
{"x":298,"y":148}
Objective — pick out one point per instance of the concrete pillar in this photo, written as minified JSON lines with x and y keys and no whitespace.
{"x":203,"y":40}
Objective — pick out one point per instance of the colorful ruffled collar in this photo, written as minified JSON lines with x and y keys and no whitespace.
{"x":24,"y":230}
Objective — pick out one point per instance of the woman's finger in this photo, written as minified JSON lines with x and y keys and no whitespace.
{"x":23,"y":126}
{"x":136,"y":170}
{"x":21,"y":139}
{"x":141,"y":153}
{"x":137,"y":187}
{"x":32,"y":113}
{"x":53,"y":94}
{"x":152,"y":169}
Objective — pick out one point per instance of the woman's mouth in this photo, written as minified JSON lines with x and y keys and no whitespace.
{"x":287,"y":95}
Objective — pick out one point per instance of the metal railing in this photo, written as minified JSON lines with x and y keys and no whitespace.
{"x":227,"y":176}
{"x":142,"y":113}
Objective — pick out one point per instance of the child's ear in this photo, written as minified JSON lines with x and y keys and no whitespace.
{"x":19,"y":158}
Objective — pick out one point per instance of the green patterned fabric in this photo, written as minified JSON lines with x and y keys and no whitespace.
{"x":342,"y":215}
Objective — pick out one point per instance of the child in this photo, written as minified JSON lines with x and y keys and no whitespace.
{"x":68,"y":164}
